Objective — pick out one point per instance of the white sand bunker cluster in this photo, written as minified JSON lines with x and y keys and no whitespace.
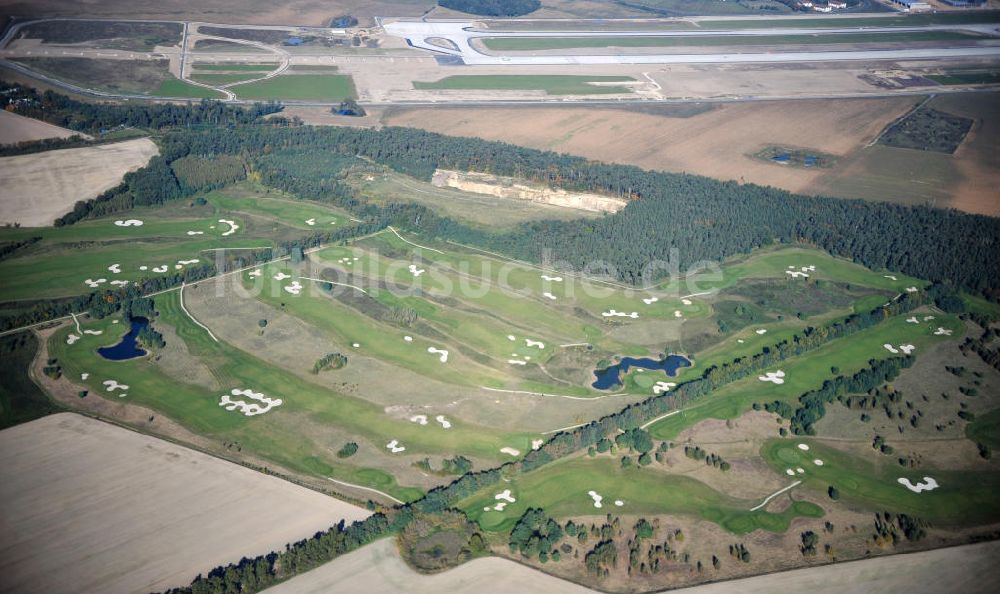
{"x":615,"y":313}
{"x":72,"y":338}
{"x":775,"y":377}
{"x":503,"y":498}
{"x":394,"y":447}
{"x":443,"y":354}
{"x":650,"y":300}
{"x":262,"y":405}
{"x":195,"y":232}
{"x":129,"y":223}
{"x":537,"y":443}
{"x":552,"y":279}
{"x":93,"y":284}
{"x":232,"y":226}
{"x":911,"y":289}
{"x":660,"y":387}
{"x":422,"y":420}
{"x":347,"y":260}
{"x":255,"y":273}
{"x":761,"y":331}
{"x":182,"y":263}
{"x":596,"y":497}
{"x":295,"y":288}
{"x":686,"y":301}
{"x":928,"y":484}
{"x":115,"y":268}
{"x":906,"y":349}
{"x":548,"y":295}
{"x":802,"y":272}
{"x":112,"y":385}
{"x":942,"y":332}
{"x":416,"y":272}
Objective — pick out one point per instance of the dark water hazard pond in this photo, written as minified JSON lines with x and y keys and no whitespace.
{"x":127,"y":348}
{"x":608,"y":378}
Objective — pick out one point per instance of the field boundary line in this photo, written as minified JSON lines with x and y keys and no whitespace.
{"x":319,"y":280}
{"x":527,"y":393}
{"x":185,"y":310}
{"x":669,"y":414}
{"x":352,"y":485}
{"x":775,"y":494}
{"x":423,"y":247}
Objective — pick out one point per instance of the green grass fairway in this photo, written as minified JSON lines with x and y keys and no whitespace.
{"x":178,"y":88}
{"x":556,"y":43}
{"x":552,"y":84}
{"x":223,"y":78}
{"x":562,"y":489}
{"x":985,"y":429}
{"x":808,"y":372}
{"x":292,"y":212}
{"x":302,"y":87}
{"x":872,"y":482}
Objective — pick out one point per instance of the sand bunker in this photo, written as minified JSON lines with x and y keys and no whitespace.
{"x":115,"y":268}
{"x":94,"y":332}
{"x":186,"y":262}
{"x":445,"y":423}
{"x":942,"y":332}
{"x":408,"y":338}
{"x":615,"y":313}
{"x":536,"y":443}
{"x":144,"y":267}
{"x":549,"y":296}
{"x":255,"y":273}
{"x":505,"y":496}
{"x":112,"y":385}
{"x":804,"y":447}
{"x":119,"y":283}
{"x":911,"y":289}
{"x":660,"y":387}
{"x":912,"y":320}
{"x":597,"y":498}
{"x":394,"y":447}
{"x":818,"y":462}
{"x":414,"y":270}
{"x":650,"y":300}
{"x":310,"y":222}
{"x":907,"y":348}
{"x":534,"y":343}
{"x":799,"y":470}
{"x":775,"y":377}
{"x":295,"y":288}
{"x":355,"y":345}
{"x":555,"y":279}
{"x":889,"y":276}
{"x":511,"y":337}
{"x":84,"y":376}
{"x":93,"y":284}
{"x":281,"y":276}
{"x":796,"y":274}
{"x":789,"y":472}
{"x":510,"y":451}
{"x":928,"y":318}
{"x":677,"y":313}
{"x":160,"y":268}
{"x":422,"y":419}
{"x":442,"y":352}
{"x":890,"y":348}
{"x":195,"y":232}
{"x":516,"y":362}
{"x":72,"y":338}
{"x":686,"y":301}
{"x":761,"y":331}
{"x":252,"y":408}
{"x":740,"y":340}
{"x":129,"y":223}
{"x":929,"y":484}
{"x":619,"y":503}
{"x":232,"y":226}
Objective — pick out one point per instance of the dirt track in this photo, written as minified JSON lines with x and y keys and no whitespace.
{"x":90,"y":507}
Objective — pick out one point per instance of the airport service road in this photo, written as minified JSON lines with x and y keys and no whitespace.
{"x":461,"y":33}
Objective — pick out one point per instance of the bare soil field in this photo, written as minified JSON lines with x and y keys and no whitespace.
{"x":378,"y":568}
{"x":15,"y":128}
{"x":40,"y":187}
{"x":719,"y":142}
{"x":91,"y":507}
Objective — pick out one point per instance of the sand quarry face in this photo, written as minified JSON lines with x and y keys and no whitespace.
{"x":39,"y":188}
{"x":90,"y":507}
{"x":503,"y":187}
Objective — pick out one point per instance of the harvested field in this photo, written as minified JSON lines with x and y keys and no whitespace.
{"x":40,"y":187}
{"x":719,"y":142}
{"x":15,"y":128}
{"x":378,"y":568}
{"x":134,"y":513}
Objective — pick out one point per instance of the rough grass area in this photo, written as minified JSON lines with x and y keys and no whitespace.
{"x":552,"y":84}
{"x":558,"y":43}
{"x":222,"y":78}
{"x":985,"y":429}
{"x":227,"y":67}
{"x":130,"y":77}
{"x":20,"y":399}
{"x":928,"y":129}
{"x":966,"y":78}
{"x":106,"y":34}
{"x":300,"y":87}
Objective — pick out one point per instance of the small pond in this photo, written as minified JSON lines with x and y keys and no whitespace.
{"x":608,"y":378}
{"x":127,"y":348}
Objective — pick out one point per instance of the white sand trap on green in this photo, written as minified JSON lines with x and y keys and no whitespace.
{"x":928,"y":318}
{"x":818,"y":462}
{"x":255,"y":273}
{"x":911,"y":289}
{"x":615,"y":313}
{"x":408,"y":338}
{"x":596,"y":497}
{"x":686,"y":301}
{"x":134,"y":513}
{"x":804,"y":447}
{"x":395,"y":447}
{"x":195,"y":232}
{"x":534,"y":343}
{"x":445,"y":423}
{"x":516,"y":362}
{"x":115,"y":268}
{"x":119,"y":283}
{"x":232,"y":226}
{"x":912,"y":320}
{"x":112,"y":385}
{"x":72,"y":338}
{"x":660,"y":387}
{"x":505,"y":496}
{"x":93,"y":284}
{"x":84,"y":376}
{"x":548,"y":295}
{"x":310,"y":222}
{"x":295,"y":288}
{"x":160,"y":268}
{"x":536,"y":443}
{"x":443,"y":353}
{"x":800,"y":470}
{"x":678,"y":314}
{"x":249,"y":409}
{"x":928,"y":484}
{"x":761,"y":331}
{"x":789,"y":472}
{"x":421,"y":419}
{"x":942,"y":332}
{"x":94,"y":332}
{"x":553,"y":279}
{"x":129,"y":223}
{"x":414,"y":270}
{"x":775,"y":377}
{"x":280,"y":276}
{"x":889,"y":276}
{"x":510,"y":451}
{"x":650,"y":300}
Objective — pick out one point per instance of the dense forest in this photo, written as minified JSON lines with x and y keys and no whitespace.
{"x":497,"y":8}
